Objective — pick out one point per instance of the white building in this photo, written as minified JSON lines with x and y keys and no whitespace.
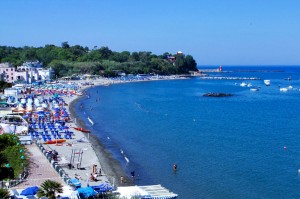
{"x":32,"y":72}
{"x":29,"y":72}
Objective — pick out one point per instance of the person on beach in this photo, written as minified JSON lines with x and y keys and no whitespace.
{"x":93,"y":178}
{"x":122,"y":179}
{"x":94,"y":169}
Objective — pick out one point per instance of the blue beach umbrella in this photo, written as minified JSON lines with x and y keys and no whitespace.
{"x":30,"y":191}
{"x":86,"y":192}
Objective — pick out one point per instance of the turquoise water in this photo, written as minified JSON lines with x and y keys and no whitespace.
{"x":245,"y":146}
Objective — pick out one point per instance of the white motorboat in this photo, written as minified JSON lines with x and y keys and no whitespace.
{"x":283,"y":89}
{"x":243,"y":84}
{"x":267,"y":82}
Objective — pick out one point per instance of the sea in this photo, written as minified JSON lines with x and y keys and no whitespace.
{"x":243,"y":146}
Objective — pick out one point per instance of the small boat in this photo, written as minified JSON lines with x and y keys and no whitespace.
{"x":283,"y":89}
{"x":243,"y":84}
{"x":82,"y":130}
{"x":289,"y":78}
{"x":55,"y":141}
{"x":254,"y":89}
{"x":267,"y":82}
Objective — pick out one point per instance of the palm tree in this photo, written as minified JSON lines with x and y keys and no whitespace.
{"x":4,"y":193}
{"x":49,"y":188}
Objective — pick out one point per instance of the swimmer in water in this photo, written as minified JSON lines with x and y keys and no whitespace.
{"x":175,"y":167}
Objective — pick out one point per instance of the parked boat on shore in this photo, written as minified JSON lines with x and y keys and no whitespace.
{"x":82,"y":130}
{"x":55,"y":141}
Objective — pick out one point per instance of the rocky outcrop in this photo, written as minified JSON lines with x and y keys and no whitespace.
{"x":217,"y":95}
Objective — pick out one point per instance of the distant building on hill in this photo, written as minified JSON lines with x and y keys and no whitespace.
{"x":28,"y":72}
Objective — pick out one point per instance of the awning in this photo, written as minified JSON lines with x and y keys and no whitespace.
{"x":146,"y":192}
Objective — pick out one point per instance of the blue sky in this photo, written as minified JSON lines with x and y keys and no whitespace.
{"x":214,"y":32}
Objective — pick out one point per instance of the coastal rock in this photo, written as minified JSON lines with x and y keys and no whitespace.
{"x":217,"y":95}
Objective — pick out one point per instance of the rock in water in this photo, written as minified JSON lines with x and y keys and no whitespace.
{"x":217,"y":95}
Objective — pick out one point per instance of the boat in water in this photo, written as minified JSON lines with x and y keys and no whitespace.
{"x":243,"y":84}
{"x":267,"y":82}
{"x":283,"y":89}
{"x":289,"y":78}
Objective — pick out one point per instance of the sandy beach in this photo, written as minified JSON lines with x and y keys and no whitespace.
{"x":91,"y":148}
{"x":87,"y":144}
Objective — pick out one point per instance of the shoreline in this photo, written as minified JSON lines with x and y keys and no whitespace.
{"x":111,"y":167}
{"x":92,"y":150}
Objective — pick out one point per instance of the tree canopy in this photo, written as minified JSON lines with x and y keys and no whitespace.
{"x":66,"y":60}
{"x":12,"y":156}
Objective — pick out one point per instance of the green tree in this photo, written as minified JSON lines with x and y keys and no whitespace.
{"x":28,"y":54}
{"x":12,"y":153}
{"x":190,"y":63}
{"x":135,"y":56}
{"x":104,"y":52}
{"x":65,"y":45}
{"x":49,"y":188}
{"x":4,"y":194}
{"x":179,"y":63}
